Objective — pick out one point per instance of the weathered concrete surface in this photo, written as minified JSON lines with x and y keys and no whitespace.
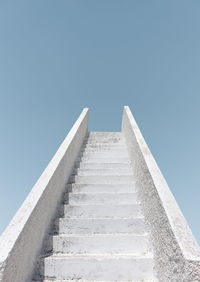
{"x":105,"y":171}
{"x":177,"y":253}
{"x":99,"y":268}
{"x":102,"y":211}
{"x":102,"y":234}
{"x":101,"y":226}
{"x":102,"y":198}
{"x":101,"y":188}
{"x":101,"y":244}
{"x":106,"y":179}
{"x":22,"y":240}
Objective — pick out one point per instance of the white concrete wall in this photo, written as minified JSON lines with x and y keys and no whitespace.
{"x":22,"y":240}
{"x":177,"y":253}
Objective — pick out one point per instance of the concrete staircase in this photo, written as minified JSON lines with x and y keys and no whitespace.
{"x":102,"y":235}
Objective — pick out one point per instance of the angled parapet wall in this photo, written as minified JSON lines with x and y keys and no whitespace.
{"x":177,"y":254}
{"x":22,"y":240}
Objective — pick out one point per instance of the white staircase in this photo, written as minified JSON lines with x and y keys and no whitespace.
{"x":102,"y":235}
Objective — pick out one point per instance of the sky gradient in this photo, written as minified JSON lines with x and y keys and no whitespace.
{"x":57,"y":57}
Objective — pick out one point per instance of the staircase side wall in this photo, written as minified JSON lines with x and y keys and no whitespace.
{"x":177,"y":254}
{"x":22,"y":241}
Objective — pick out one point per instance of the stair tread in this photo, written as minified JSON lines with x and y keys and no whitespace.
{"x":101,"y":234}
{"x":105,"y":256}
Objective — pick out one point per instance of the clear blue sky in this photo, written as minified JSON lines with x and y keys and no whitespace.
{"x":57,"y":57}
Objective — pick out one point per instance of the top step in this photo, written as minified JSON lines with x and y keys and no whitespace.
{"x":105,"y":134}
{"x":105,"y":137}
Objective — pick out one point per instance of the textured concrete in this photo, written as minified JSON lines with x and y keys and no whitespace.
{"x":177,"y":254}
{"x":102,"y":211}
{"x":102,"y":226}
{"x":95,"y":179}
{"x":100,"y":244}
{"x":102,"y":188}
{"x":105,"y":165}
{"x":102,"y":234}
{"x":102,"y":198}
{"x":99,"y":268}
{"x":22,"y":240}
{"x":103,"y":171}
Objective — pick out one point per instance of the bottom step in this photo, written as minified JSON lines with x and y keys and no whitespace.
{"x":98,"y":268}
{"x":83,"y":280}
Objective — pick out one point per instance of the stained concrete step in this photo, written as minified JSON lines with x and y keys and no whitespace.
{"x":104,"y":160}
{"x":102,"y":211}
{"x":119,"y":157}
{"x":104,"y":148}
{"x":102,"y":198}
{"x":105,"y":133}
{"x":102,"y":142}
{"x":81,"y":280}
{"x":114,"y":179}
{"x":100,"y":154}
{"x":101,"y":244}
{"x":103,"y":172}
{"x":103,"y":226}
{"x":99,"y":268}
{"x":104,"y":145}
{"x":101,"y":188}
{"x":101,"y":165}
{"x":108,"y":139}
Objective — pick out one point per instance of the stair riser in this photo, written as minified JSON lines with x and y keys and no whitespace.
{"x":104,"y":160}
{"x":126,"y":244}
{"x":92,"y":165}
{"x":107,"y":198}
{"x":101,"y":188}
{"x":102,"y":226}
{"x":104,"y":149}
{"x":94,"y":269}
{"x":104,"y":155}
{"x":110,"y":179}
{"x":102,"y":211}
{"x":103,"y":142}
{"x":102,"y":172}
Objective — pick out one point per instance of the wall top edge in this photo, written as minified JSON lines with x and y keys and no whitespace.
{"x":180,"y":228}
{"x":17,"y":223}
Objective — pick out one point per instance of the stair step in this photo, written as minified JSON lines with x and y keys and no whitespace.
{"x":101,"y":188}
{"x":101,"y":244}
{"x":101,"y":198}
{"x":104,"y":226}
{"x":105,"y":134}
{"x":99,"y":145}
{"x":102,"y":211}
{"x":102,"y":142}
{"x":114,"y":179}
{"x":104,"y":148}
{"x":103,"y":172}
{"x":104,"y":160}
{"x":107,"y":158}
{"x":108,"y":139}
{"x":81,"y":280}
{"x":101,"y":165}
{"x":99,"y":268}
{"x":100,"y":154}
